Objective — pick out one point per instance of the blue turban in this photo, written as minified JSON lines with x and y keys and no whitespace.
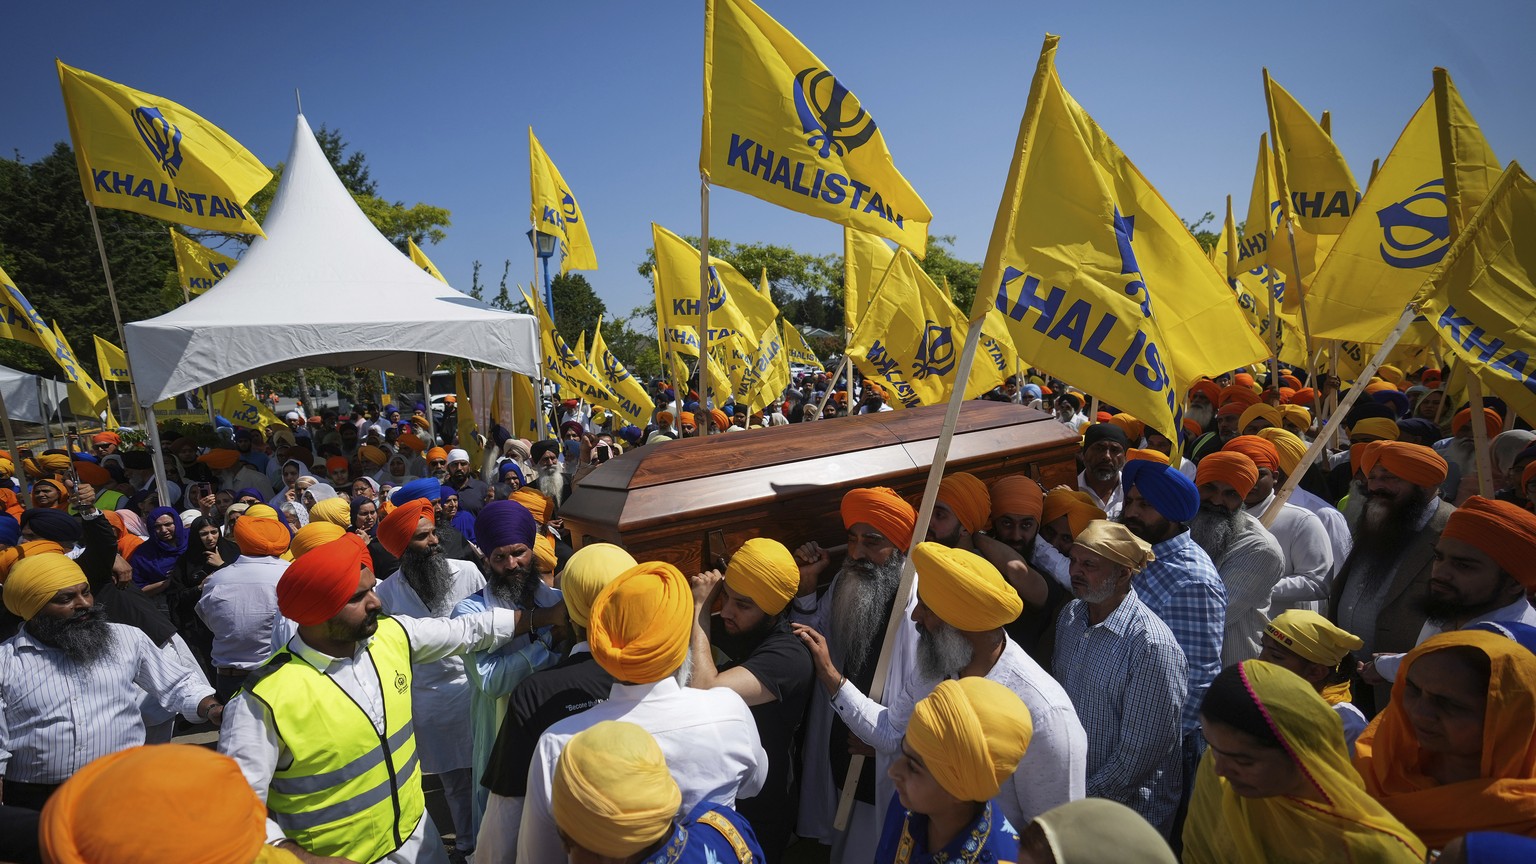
{"x":10,"y":530}
{"x":1032,"y":391}
{"x":83,"y":456}
{"x":387,"y":410}
{"x":729,"y":411}
{"x":1170,"y":493}
{"x":55,"y":525}
{"x":511,"y":467}
{"x":249,"y":492}
{"x":446,"y":493}
{"x":429,"y":488}
{"x":1419,"y":427}
{"x":504,"y":523}
{"x":1491,"y":847}
{"x":630,"y":433}
{"x":1397,"y":400}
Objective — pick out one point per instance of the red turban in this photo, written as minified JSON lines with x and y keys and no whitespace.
{"x":314,"y":588}
{"x":1491,"y":421}
{"x":1019,"y":495}
{"x":1505,"y":531}
{"x":1207,"y":388}
{"x":1263,"y":453}
{"x":397,"y":529}
{"x":1233,"y":469}
{"x":1417,"y":464}
{"x":884,"y":510}
{"x":336,"y":463}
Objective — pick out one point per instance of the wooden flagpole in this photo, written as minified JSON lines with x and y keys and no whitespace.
{"x":117,"y":315}
{"x":704,"y":401}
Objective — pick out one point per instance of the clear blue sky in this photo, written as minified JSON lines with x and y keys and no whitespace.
{"x":439,"y":96}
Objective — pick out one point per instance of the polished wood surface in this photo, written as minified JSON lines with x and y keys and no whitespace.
{"x":692,"y":501}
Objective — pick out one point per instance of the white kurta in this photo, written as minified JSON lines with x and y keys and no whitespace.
{"x":1308,"y":558}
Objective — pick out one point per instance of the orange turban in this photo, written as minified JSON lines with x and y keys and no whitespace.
{"x":1268,"y":413}
{"x":314,"y":588}
{"x":884,"y":510}
{"x":410,"y":442}
{"x":1225,"y":466}
{"x":1291,"y":381}
{"x":373,"y":455}
{"x":1417,"y":464}
{"x":1378,"y":386}
{"x":540,"y":505}
{"x":310,"y":537}
{"x":718,"y":418}
{"x":1286,"y":393}
{"x":1505,"y":531}
{"x":220,"y":459}
{"x":1304,"y":396}
{"x":664,"y":418}
{"x":1239,"y":394}
{"x":396,"y":530}
{"x":1150,"y":455}
{"x":641,"y":622}
{"x":686,"y":419}
{"x":336,"y":463}
{"x":1260,"y":450}
{"x":86,"y":820}
{"x":107,"y":438}
{"x":1018,"y":495}
{"x":1491,"y":421}
{"x":1243,"y":379}
{"x":257,"y":536}
{"x":968,"y":499}
{"x":1076,"y":506}
{"x":1362,"y":457}
{"x":436,"y":453}
{"x":63,"y":502}
{"x":1192,"y":427}
{"x":92,"y":473}
{"x":1207,"y":388}
{"x":1132,"y":427}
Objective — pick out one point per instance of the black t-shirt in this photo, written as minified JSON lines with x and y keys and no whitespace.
{"x":1035,"y":628}
{"x":542,"y":700}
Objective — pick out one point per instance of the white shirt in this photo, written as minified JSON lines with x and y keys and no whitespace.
{"x":1518,"y":612}
{"x":57,"y":715}
{"x":1049,"y":560}
{"x":1308,"y":557}
{"x":1053,"y":768}
{"x":250,"y":737}
{"x":239,"y":604}
{"x":1111,"y":505}
{"x":1340,"y":541}
{"x":708,"y":736}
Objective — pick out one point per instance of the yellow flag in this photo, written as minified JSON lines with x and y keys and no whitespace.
{"x":631,"y":401}
{"x":1100,"y":280}
{"x":111,"y":362}
{"x":865,"y":260}
{"x":800,"y":352}
{"x":1252,"y":288}
{"x":780,"y":127}
{"x":1483,"y":298}
{"x":420,"y":259}
{"x":83,"y":390}
{"x":677,"y":331}
{"x":465,"y":416}
{"x":735,"y":306}
{"x":47,"y":338}
{"x":554,"y":210}
{"x":770,"y":370}
{"x":525,"y":407}
{"x":241,"y":407}
{"x":13,"y":322}
{"x":1322,"y":193}
{"x":1263,"y":212}
{"x":1383,"y":258}
{"x":198,"y":268}
{"x":561,"y":363}
{"x":149,"y":155}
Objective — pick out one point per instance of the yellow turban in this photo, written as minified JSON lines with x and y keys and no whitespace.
{"x":1290,"y":448}
{"x":1299,"y":416}
{"x":372,"y":454}
{"x":10,"y":555}
{"x":612,"y":792}
{"x":967,"y":498}
{"x":85,"y":820}
{"x":1390,"y":373}
{"x":641,"y":622}
{"x":964,"y":589}
{"x":35,"y":579}
{"x":1076,"y":506}
{"x":971,"y":734}
{"x":260,"y":511}
{"x":1312,"y":636}
{"x":1147,"y":454}
{"x":539,"y":504}
{"x":764,"y":570}
{"x":1268,"y":413}
{"x":7,"y":467}
{"x":1379,"y":427}
{"x":1116,"y":542}
{"x":586,"y":573}
{"x":312,"y":535}
{"x":544,"y":553}
{"x":337,"y":511}
{"x":56,"y":463}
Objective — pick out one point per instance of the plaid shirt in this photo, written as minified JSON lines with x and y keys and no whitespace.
{"x":1183,"y":588}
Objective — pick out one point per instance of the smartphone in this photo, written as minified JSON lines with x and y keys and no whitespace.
{"x":603,"y":452}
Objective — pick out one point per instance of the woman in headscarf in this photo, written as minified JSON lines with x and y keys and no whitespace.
{"x":1276,"y":783}
{"x":292,"y":471}
{"x":1505,"y":448}
{"x":50,"y":494}
{"x":365,"y":522}
{"x":153,"y":560}
{"x":1455,"y":750}
{"x":316,"y":493}
{"x":207,"y":551}
{"x":397,"y":471}
{"x":127,"y":541}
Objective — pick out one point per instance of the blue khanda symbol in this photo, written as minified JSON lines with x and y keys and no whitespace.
{"x":717,"y":295}
{"x":936,"y":354}
{"x":161,"y":137}
{"x":568,"y":208}
{"x":829,"y":114}
{"x":219,"y":268}
{"x":1411,"y":237}
{"x":1125,"y":229}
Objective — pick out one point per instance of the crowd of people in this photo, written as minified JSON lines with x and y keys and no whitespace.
{"x":1167,"y":660}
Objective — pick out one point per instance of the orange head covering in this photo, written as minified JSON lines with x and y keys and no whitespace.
{"x":1076,"y":506}
{"x":967,"y":498}
{"x":664,"y":418}
{"x":1289,"y":380}
{"x":314,"y":588}
{"x":1304,"y":396}
{"x":1243,"y":379}
{"x":396,"y":530}
{"x":1505,"y":531}
{"x":540,"y":505}
{"x":92,"y":473}
{"x":1417,"y":464}
{"x":1132,"y":427}
{"x":1362,"y":457}
{"x":1192,"y":427}
{"x":335,"y":463}
{"x":1233,"y":408}
{"x":410,"y":442}
{"x":884,"y":510}
{"x":1268,"y":413}
{"x":718,"y":418}
{"x":1207,"y":388}
{"x":1150,"y":455}
{"x":1286,"y":393}
{"x":257,"y":536}
{"x":1018,"y":495}
{"x":1392,"y":763}
{"x":436,"y":453}
{"x":1260,"y":450}
{"x":1491,"y":421}
{"x":63,"y":501}
{"x":220,"y":459}
{"x":686,"y":419}
{"x":374,"y":455}
{"x":311,"y":536}
{"x":1225,"y":466}
{"x":1239,"y":394}
{"x":85,"y":821}
{"x":641,"y":622}
{"x":107,"y":438}
{"x":1378,"y":386}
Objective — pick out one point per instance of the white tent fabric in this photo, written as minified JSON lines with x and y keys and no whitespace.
{"x":20,"y":391}
{"x":324,"y":287}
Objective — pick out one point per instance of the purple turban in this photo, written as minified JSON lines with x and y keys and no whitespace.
{"x":504,"y":523}
{"x":1170,"y":493}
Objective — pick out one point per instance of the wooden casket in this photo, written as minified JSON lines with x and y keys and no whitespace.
{"x":696,"y":500}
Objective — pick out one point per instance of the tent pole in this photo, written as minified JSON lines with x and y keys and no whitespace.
{"x":158,"y":455}
{"x":117,"y":316}
{"x":48,"y":410}
{"x":10,"y":434}
{"x":426,"y":389}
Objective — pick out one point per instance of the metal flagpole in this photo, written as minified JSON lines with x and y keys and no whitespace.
{"x":117,"y":316}
{"x":47,"y":408}
{"x":704,"y":403}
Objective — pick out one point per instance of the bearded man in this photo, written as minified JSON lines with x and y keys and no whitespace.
{"x":1302,"y":538}
{"x":1104,"y":446}
{"x":1246,"y":555}
{"x":1380,"y":593}
{"x":852,"y":616}
{"x":1203,"y":398}
{"x":1018,"y":509}
{"x":550,"y":479}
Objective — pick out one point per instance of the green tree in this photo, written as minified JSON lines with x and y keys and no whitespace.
{"x":808,"y":289}
{"x":1204,"y":235}
{"x":941,"y":264}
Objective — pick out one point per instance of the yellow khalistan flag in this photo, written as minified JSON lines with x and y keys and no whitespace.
{"x":525,"y":407}
{"x":1383,"y":258}
{"x":771,"y":369}
{"x":562,"y":364}
{"x":780,"y":127}
{"x":554,"y":210}
{"x":735,"y":305}
{"x":677,"y":331}
{"x":1100,"y":280}
{"x":1483,"y":301}
{"x":198,"y":268}
{"x":1252,"y":288}
{"x":29,"y":322}
{"x":140,"y":152}
{"x":14,"y":323}
{"x":1263,"y":212}
{"x":83,"y":390}
{"x":630,"y":401}
{"x":111,"y":362}
{"x":420,"y":259}
{"x":800,"y":352}
{"x":466,"y":419}
{"x":865,"y":260}
{"x":241,"y":407}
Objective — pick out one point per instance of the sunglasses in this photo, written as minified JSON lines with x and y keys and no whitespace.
{"x":101,"y":446}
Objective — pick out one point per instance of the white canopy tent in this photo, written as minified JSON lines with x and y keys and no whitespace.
{"x":25,"y":393}
{"x":324,"y":287}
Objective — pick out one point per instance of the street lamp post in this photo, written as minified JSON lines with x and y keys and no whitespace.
{"x":544,"y":246}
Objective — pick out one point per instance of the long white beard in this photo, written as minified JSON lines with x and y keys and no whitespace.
{"x":552,"y":482}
